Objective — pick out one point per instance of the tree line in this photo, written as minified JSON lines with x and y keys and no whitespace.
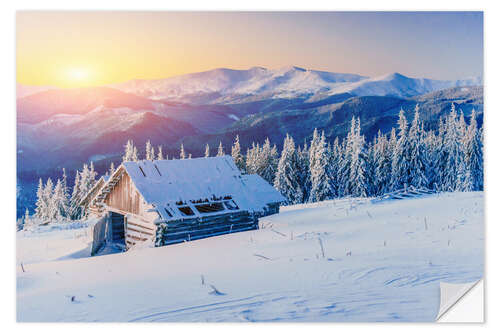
{"x":449,"y":159}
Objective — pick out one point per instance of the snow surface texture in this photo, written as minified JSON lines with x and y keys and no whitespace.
{"x":332,"y":261}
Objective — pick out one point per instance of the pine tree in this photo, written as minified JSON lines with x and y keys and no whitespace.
{"x":252,"y":165}
{"x":26,"y":220}
{"x":370,"y":169}
{"x":130,"y":152}
{"x":160,"y":154}
{"x":318,"y":160}
{"x":92,"y":176}
{"x":220,"y":150}
{"x":150,"y":151}
{"x":207,"y":150}
{"x":473,"y":156}
{"x":59,"y":204}
{"x":454,"y":171}
{"x":304,"y":171}
{"x":267,"y":160}
{"x":287,"y":180}
{"x":50,"y":209}
{"x":383,"y":161}
{"x":333,"y":167}
{"x":66,"y":197}
{"x":433,"y":148}
{"x":401,"y":156}
{"x":417,"y":163}
{"x":75,"y":211}
{"x":182,"y":154}
{"x":238,"y":158}
{"x":357,"y":183}
{"x":41,"y":203}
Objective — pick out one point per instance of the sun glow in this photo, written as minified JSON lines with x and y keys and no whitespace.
{"x":77,"y":75}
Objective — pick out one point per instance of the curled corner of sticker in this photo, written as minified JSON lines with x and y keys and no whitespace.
{"x":451,"y":293}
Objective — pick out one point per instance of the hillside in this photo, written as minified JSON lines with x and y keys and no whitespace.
{"x":380,"y":262}
{"x":334,"y":115}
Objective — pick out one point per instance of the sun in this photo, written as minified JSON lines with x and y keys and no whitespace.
{"x":78,"y":74}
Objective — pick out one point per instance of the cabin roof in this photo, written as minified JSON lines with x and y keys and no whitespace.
{"x":170,"y":183}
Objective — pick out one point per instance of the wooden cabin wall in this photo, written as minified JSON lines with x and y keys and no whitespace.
{"x":125,"y":197}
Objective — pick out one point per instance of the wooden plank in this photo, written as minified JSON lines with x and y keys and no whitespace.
{"x":131,"y":231}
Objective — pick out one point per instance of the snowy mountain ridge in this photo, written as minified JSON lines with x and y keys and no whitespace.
{"x":224,"y":85}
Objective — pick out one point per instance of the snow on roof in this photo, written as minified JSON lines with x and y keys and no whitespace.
{"x":163,"y":183}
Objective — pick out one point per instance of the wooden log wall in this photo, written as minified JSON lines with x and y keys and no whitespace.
{"x":138,"y":230}
{"x":188,"y":230}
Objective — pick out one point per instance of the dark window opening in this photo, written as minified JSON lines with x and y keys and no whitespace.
{"x":231,"y":205}
{"x":210,"y":208}
{"x":186,"y":211}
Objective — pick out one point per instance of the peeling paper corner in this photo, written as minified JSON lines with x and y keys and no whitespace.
{"x":451,"y":298}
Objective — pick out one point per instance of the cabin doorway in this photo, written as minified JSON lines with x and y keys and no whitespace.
{"x":118,"y":229}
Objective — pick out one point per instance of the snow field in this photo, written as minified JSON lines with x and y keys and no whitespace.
{"x":330,"y":261}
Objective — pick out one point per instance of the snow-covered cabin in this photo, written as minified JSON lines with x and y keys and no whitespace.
{"x":173,"y":201}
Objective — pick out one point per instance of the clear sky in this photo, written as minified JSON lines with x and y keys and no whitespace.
{"x":69,"y":49}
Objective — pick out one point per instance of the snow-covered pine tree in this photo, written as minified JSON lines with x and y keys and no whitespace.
{"x":130,"y":152}
{"x":253,"y":153}
{"x":135,"y":154}
{"x":345,"y":163}
{"x":383,"y":162}
{"x":48,"y":193}
{"x":182,"y":154}
{"x":268,"y":161}
{"x":92,"y":175}
{"x":64,"y":184}
{"x":441,"y":156}
{"x":26,"y":220}
{"x":334,"y":160}
{"x":370,"y":169}
{"x":75,"y":211}
{"x":150,"y":154}
{"x":287,"y":179}
{"x":160,"y":153}
{"x":453,"y":172}
{"x":304,"y":170}
{"x":207,"y":150}
{"x":318,"y":161}
{"x":401,"y":156}
{"x":417,"y":163}
{"x":433,"y":146}
{"x":41,"y":203}
{"x":473,"y":159}
{"x":357,"y":183}
{"x":238,"y":158}
{"x":220,"y":150}
{"x":59,"y":202}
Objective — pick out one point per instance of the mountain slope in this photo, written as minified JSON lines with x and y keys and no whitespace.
{"x":375,"y":112}
{"x":42,"y":105}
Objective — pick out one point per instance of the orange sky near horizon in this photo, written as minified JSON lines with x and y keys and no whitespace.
{"x":86,"y":48}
